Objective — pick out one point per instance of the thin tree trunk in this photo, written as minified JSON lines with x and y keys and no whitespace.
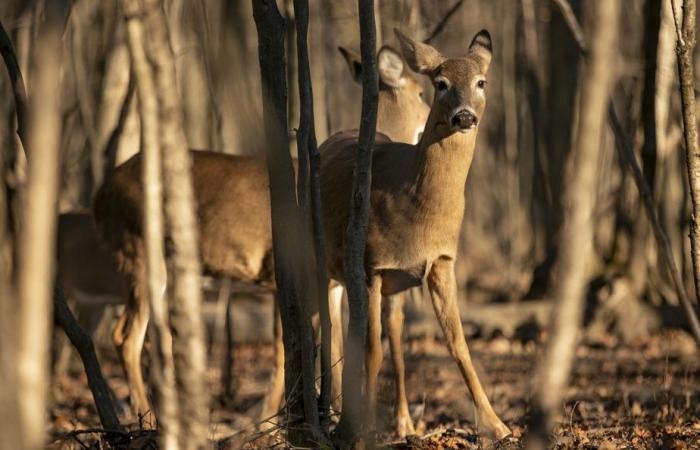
{"x":685,"y":49}
{"x":576,"y":249}
{"x":309,"y":194}
{"x":37,"y":235}
{"x":189,"y":351}
{"x":163,"y":372}
{"x":353,"y":417}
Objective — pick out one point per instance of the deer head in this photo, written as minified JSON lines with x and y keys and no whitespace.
{"x":460,"y":83}
{"x":402,"y":111}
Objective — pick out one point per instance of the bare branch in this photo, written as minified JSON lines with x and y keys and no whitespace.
{"x":441,"y":24}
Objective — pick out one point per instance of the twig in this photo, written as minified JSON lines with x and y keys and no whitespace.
{"x":627,"y":154}
{"x":676,"y":21}
{"x":9,"y":55}
{"x":441,"y":25}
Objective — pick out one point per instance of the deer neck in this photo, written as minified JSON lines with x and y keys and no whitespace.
{"x":444,"y":158}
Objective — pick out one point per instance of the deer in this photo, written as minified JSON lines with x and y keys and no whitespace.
{"x":234,"y":227}
{"x":416,"y":209}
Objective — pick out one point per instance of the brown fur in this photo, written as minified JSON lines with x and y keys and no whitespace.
{"x":417,"y":207}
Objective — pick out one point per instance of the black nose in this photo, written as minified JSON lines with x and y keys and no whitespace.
{"x":464,"y":119}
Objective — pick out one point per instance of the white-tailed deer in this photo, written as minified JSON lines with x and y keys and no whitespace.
{"x":234,"y":224}
{"x":417,"y":207}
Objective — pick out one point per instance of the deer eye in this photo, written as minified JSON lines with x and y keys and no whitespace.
{"x":441,"y":85}
{"x":481,"y":84}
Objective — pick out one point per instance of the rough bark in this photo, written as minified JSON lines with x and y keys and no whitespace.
{"x":686,"y":74}
{"x":37,"y":235}
{"x":576,"y":249}
{"x":353,"y":417}
{"x":163,"y":372}
{"x":188,"y":348}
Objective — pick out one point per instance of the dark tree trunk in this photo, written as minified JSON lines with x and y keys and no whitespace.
{"x":353,"y":417}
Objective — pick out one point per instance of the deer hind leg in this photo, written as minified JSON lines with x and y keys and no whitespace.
{"x":443,"y":293}
{"x":335,"y":304}
{"x":273,"y":398}
{"x":128,"y":336}
{"x":374,"y":347}
{"x":394,"y":325}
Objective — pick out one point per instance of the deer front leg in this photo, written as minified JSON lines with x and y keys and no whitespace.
{"x":273,"y":399}
{"x":394,"y":324}
{"x":443,"y":293}
{"x":335,"y":303}
{"x":374,"y":347}
{"x":128,"y":337}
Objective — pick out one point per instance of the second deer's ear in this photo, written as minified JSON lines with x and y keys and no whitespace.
{"x":354,"y":63}
{"x":422,"y":58}
{"x":390,"y":67}
{"x":481,"y":47}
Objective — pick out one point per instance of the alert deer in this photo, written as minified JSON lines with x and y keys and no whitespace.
{"x":417,"y":207}
{"x":232,"y":194}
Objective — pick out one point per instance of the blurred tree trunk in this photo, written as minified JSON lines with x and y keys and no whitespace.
{"x":575,"y":248}
{"x":37,"y":234}
{"x":163,"y":372}
{"x":354,"y":372}
{"x":562,"y":75}
{"x":189,"y":352}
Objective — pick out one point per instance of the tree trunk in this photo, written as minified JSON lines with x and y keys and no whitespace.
{"x":291,"y":260}
{"x":188,"y":348}
{"x":575,"y":245}
{"x":37,"y":234}
{"x":163,"y":372}
{"x":685,"y":48}
{"x":353,"y":417}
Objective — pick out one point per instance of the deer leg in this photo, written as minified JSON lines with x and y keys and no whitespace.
{"x":374,"y":348}
{"x":128,"y":337}
{"x":273,"y":399}
{"x":443,"y":293}
{"x":335,"y":303}
{"x":394,"y":324}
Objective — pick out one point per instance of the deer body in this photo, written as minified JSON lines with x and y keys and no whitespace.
{"x":233,"y":211}
{"x":416,"y":209}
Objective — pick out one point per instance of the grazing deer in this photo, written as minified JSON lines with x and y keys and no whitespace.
{"x":417,"y":207}
{"x":232,"y":194}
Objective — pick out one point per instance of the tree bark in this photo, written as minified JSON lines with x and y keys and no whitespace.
{"x":291,"y":259}
{"x":576,"y":249}
{"x":37,"y":235}
{"x":686,"y":74}
{"x":309,"y":194}
{"x":353,"y":417}
{"x":188,"y":348}
{"x":163,"y":373}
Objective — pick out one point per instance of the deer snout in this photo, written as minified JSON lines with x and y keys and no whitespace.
{"x":464,"y":120}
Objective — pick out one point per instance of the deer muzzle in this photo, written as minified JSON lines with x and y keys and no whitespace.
{"x":464,"y":120}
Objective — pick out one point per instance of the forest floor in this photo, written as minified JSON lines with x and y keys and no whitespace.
{"x":643,"y":395}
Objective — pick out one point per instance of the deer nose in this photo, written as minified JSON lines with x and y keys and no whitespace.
{"x":464,"y":119}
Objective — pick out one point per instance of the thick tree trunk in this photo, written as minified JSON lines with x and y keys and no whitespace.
{"x":188,"y":348}
{"x":163,"y":372}
{"x":353,"y":417}
{"x":575,"y":248}
{"x":291,"y":259}
{"x":37,"y":234}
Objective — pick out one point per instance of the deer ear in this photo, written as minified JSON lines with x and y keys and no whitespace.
{"x":354,"y":63}
{"x":390,"y":67}
{"x":422,"y":58}
{"x":481,"y":47}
